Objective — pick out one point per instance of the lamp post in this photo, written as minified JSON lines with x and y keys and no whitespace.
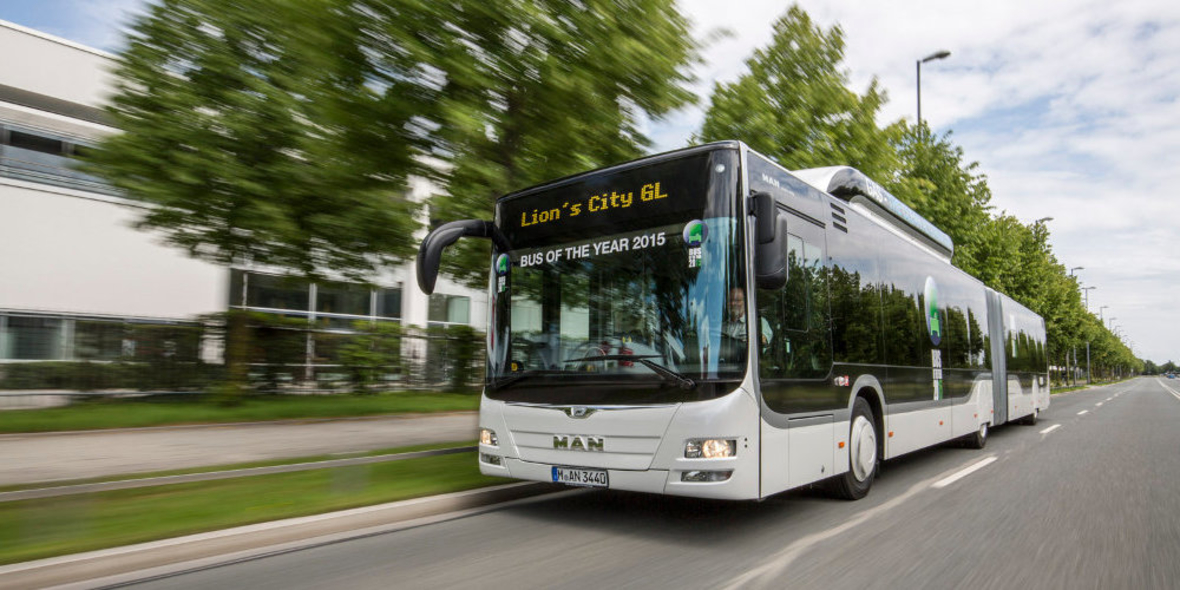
{"x":1086,"y":290}
{"x":1076,"y":268}
{"x":933,"y":56}
{"x":1110,"y":322}
{"x":1100,"y":320}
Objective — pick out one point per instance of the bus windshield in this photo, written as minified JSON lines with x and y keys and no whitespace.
{"x":640,"y":261}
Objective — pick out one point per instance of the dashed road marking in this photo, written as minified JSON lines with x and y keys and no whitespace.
{"x":1170,"y":390}
{"x":1083,"y":412}
{"x":1051,"y":429}
{"x":946,"y":481}
{"x":1098,"y":405}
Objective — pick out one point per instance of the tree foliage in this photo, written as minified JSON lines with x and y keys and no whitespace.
{"x":933,"y":179}
{"x":285,"y":132}
{"x":277,"y":132}
{"x":541,"y":90}
{"x":794,"y":104}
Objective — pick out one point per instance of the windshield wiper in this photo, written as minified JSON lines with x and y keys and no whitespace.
{"x":682,"y":380}
{"x":518,"y":377}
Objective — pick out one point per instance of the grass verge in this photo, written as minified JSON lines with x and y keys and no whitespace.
{"x":137,"y":413}
{"x":34,"y":529}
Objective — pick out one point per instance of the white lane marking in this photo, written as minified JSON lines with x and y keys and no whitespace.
{"x":1110,"y":398}
{"x":769,"y":573}
{"x":1170,"y":390}
{"x":1083,"y":412}
{"x":1099,"y":404}
{"x":942,"y":483}
{"x":1051,"y":429}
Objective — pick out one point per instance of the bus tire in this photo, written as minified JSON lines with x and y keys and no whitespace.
{"x":1031,"y":419}
{"x":979,"y":439}
{"x":863,"y":455}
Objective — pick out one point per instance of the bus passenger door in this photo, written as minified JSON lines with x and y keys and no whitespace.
{"x":794,"y":366}
{"x":997,"y":350}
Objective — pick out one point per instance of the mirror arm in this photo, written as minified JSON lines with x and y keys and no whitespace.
{"x":430,"y":252}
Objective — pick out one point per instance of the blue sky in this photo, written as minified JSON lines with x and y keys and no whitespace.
{"x":1070,"y":108}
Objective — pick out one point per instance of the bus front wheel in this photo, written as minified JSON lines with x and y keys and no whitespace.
{"x":863,"y":458}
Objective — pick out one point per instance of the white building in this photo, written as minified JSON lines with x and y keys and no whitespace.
{"x":74,"y":272}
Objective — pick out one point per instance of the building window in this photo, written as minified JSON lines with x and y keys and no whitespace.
{"x":451,"y":309}
{"x":33,"y":339}
{"x":100,"y":341}
{"x":342,"y":298}
{"x":389,"y":303}
{"x":35,"y":157}
{"x":36,"y":143}
{"x":274,"y":292}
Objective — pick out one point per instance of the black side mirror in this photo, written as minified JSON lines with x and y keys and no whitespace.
{"x":770,"y":247}
{"x":430,"y":252}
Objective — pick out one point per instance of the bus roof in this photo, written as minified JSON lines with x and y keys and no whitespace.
{"x":852,"y":185}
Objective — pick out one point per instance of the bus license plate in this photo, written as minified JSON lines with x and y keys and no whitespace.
{"x":580,"y":477}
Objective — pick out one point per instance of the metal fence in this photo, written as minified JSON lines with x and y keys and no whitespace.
{"x":279,"y":355}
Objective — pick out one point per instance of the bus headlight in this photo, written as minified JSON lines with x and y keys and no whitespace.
{"x":710,"y":448}
{"x":488,"y":437}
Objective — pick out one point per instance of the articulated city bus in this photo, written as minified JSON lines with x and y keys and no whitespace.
{"x":707,"y":323}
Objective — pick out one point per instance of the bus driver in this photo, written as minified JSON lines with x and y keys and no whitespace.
{"x":735,"y":324}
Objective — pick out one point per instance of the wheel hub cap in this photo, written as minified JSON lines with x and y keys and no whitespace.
{"x":864,"y":448}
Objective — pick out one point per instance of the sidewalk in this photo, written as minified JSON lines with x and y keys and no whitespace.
{"x":36,"y":458}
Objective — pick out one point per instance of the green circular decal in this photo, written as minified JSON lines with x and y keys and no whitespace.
{"x":503,"y":263}
{"x":933,"y":324}
{"x":695,"y":233}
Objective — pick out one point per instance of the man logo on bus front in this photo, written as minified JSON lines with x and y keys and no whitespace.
{"x":578,"y":411}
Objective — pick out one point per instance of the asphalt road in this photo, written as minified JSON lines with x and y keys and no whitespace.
{"x":1081,"y":500}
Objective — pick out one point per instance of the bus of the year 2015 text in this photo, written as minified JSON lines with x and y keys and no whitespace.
{"x":707,"y":323}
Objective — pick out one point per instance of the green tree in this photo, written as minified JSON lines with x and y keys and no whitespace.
{"x":794,"y":104}
{"x":280,"y":132}
{"x":543,"y":89}
{"x":934,"y":180}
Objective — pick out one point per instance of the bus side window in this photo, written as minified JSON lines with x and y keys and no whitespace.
{"x":797,"y":314}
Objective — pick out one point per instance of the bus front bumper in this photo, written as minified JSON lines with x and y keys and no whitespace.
{"x":654,"y":481}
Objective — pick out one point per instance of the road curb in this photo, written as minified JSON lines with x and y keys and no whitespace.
{"x":170,"y":556}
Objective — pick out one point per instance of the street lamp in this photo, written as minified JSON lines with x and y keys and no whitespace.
{"x":1110,"y":323}
{"x":1076,"y":268}
{"x":1044,"y":220}
{"x":933,"y":56}
{"x":1100,"y":320}
{"x":1086,"y":290}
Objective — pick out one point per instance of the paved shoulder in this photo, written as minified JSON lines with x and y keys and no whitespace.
{"x":45,"y":458}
